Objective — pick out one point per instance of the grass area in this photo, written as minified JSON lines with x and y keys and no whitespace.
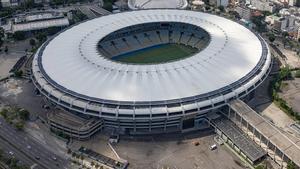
{"x":157,"y":54}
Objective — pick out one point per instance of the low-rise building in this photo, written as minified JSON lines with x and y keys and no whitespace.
{"x":73,"y":126}
{"x":219,"y":2}
{"x":277,"y":23}
{"x":37,"y":21}
{"x":10,"y":3}
{"x":244,"y":12}
{"x":263,"y":5}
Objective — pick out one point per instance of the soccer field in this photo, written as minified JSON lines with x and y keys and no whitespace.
{"x":157,"y":54}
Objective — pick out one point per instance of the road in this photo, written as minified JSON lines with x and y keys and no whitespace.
{"x":23,"y":145}
{"x":6,"y":147}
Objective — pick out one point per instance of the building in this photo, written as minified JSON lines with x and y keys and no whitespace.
{"x":77,"y":70}
{"x":219,"y":2}
{"x":276,"y":23}
{"x":65,"y":123}
{"x":263,"y":5}
{"x":38,"y":20}
{"x":292,"y":2}
{"x":152,"y":4}
{"x":298,"y":33}
{"x":288,"y":21}
{"x":222,"y":3}
{"x":244,"y":12}
{"x":10,"y":3}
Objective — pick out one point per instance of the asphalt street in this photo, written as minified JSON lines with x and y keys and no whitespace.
{"x":35,"y":152}
{"x":6,"y":147}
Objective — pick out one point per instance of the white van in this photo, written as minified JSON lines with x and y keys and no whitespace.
{"x":213,"y":147}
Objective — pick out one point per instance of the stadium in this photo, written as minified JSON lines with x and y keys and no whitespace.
{"x":151,"y":71}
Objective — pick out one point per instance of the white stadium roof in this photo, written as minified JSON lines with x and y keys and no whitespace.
{"x":72,"y":60}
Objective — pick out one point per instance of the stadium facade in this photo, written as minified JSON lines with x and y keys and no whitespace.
{"x":77,"y":69}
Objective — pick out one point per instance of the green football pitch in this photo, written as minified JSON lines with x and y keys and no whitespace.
{"x":157,"y":54}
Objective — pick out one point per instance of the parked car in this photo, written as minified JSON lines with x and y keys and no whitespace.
{"x":213,"y":147}
{"x":114,"y":138}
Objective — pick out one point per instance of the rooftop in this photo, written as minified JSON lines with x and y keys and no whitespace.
{"x":226,"y":60}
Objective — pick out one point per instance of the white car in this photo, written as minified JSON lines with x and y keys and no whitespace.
{"x":213,"y":147}
{"x":114,"y":139}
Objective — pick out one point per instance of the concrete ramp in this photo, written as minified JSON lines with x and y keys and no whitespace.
{"x":277,"y":144}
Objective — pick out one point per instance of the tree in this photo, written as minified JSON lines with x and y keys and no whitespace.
{"x":271,"y":37}
{"x":92,"y":163}
{"x":1,"y":154}
{"x":6,"y":49}
{"x":1,"y":42}
{"x":297,"y":74}
{"x":261,"y":167}
{"x":285,"y":34}
{"x":291,"y":165}
{"x":1,"y":36}
{"x":53,"y":30}
{"x":260,"y":26}
{"x":3,"y":113}
{"x":19,"y":125}
{"x":266,"y":13}
{"x":41,"y":37}
{"x":19,"y":35}
{"x":32,"y":42}
{"x":18,"y":73}
{"x":73,"y":154}
{"x":24,"y":114}
{"x":108,"y":4}
{"x":284,"y":73}
{"x":221,"y":8}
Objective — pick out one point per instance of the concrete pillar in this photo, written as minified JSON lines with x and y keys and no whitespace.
{"x":234,"y":115}
{"x":268,"y":141}
{"x":275,"y":148}
{"x":259,"y":139}
{"x":165,"y":125}
{"x":282,"y":159}
{"x":241,"y":122}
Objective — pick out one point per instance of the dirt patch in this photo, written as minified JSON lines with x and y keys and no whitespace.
{"x":290,"y":92}
{"x":11,"y":88}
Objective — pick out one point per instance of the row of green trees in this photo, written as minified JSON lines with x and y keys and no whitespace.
{"x":15,"y":116}
{"x":108,"y":4}
{"x":290,"y":165}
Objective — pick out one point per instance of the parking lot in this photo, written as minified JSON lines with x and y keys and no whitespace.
{"x":177,"y":153}
{"x":170,"y":151}
{"x":15,"y":51}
